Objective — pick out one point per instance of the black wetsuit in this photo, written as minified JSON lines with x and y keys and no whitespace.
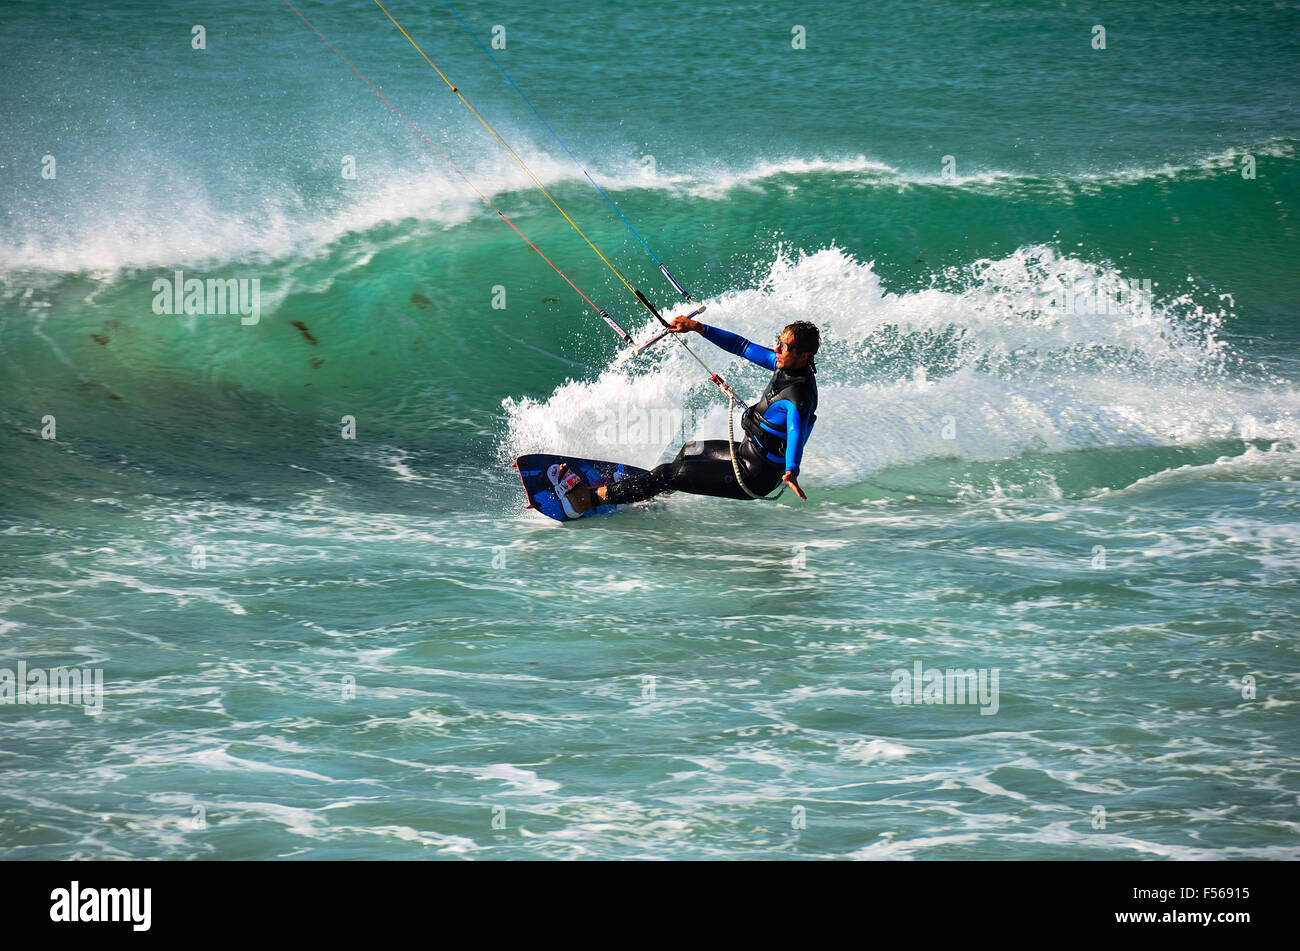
{"x":776,"y":429}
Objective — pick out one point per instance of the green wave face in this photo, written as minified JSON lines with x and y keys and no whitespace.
{"x":1085,"y":298}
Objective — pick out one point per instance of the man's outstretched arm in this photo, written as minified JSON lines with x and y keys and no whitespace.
{"x":726,"y":340}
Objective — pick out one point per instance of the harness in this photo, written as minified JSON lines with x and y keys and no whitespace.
{"x":800,"y":388}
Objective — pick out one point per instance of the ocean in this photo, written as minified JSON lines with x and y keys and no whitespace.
{"x":1041,"y":602}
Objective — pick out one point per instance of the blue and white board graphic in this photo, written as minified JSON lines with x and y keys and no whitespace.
{"x":541,"y":494}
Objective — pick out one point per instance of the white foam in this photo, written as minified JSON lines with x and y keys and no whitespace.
{"x":519,"y":780}
{"x":172,"y":219}
{"x":870,"y":751}
{"x":978,"y":367}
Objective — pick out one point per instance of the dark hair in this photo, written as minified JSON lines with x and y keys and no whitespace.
{"x":807,"y":339}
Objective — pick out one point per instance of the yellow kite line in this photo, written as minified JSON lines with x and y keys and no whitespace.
{"x":641,"y":299}
{"x":513,"y":155}
{"x":714,"y":378}
{"x":486,"y":200}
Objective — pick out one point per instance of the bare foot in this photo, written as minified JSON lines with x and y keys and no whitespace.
{"x":583,"y":497}
{"x":580,"y":498}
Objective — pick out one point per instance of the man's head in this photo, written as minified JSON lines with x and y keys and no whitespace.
{"x":797,"y":346}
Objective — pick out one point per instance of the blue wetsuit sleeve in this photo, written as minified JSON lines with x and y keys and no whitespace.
{"x":735,"y":343}
{"x":796,"y":434}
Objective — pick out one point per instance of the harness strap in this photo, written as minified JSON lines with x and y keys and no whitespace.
{"x":735,"y":464}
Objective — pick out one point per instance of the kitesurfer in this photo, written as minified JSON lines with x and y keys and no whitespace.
{"x":776,"y":429}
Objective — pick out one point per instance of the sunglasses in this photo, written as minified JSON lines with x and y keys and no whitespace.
{"x":783,"y":347}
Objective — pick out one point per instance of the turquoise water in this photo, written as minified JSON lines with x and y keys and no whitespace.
{"x":322,"y":647}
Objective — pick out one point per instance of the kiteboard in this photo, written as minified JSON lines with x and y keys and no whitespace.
{"x":541,"y":493}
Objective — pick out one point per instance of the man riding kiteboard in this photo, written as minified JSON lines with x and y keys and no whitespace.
{"x":776,"y":429}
